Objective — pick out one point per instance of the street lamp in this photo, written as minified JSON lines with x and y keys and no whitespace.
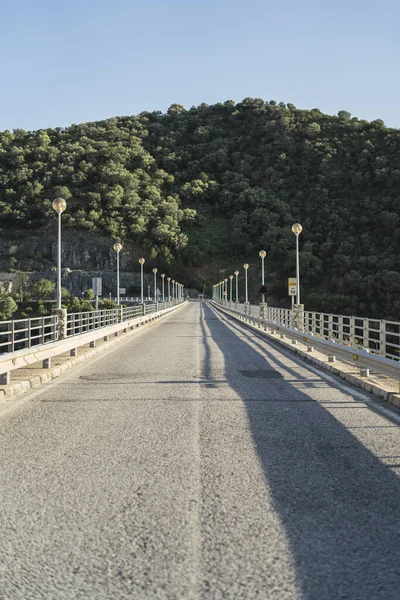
{"x":169,"y":288}
{"x":226,"y":289}
{"x":141,"y":262}
{"x":162,"y":278}
{"x":230,"y":294}
{"x":59,"y":205}
{"x":117,"y":248}
{"x":245,"y":267}
{"x":262,"y":254}
{"x":173,"y":289}
{"x":297,"y":229}
{"x":155,"y":285}
{"x":237,"y":290}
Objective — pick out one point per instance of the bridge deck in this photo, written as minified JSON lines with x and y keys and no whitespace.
{"x":197,"y":461}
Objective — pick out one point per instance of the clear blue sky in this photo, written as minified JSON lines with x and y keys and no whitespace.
{"x":84,"y":60}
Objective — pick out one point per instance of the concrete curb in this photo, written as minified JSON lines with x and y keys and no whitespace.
{"x":15,"y":389}
{"x":337,"y":368}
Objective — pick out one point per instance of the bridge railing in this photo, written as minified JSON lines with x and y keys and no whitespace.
{"x":25,"y":333}
{"x":378,"y":336}
{"x":29,"y":341}
{"x":361,"y":357}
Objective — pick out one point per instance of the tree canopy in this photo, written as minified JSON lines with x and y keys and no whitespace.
{"x":224,"y":181}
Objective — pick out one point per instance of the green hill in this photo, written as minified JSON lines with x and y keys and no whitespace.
{"x":207,"y":188}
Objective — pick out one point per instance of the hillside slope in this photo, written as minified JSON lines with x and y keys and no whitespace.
{"x":204,"y":189}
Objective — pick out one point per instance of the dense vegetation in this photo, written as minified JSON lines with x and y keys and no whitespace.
{"x":209,"y":186}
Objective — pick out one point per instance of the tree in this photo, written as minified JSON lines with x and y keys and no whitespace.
{"x":8,"y":307}
{"x":43,"y":289}
{"x":213,"y":183}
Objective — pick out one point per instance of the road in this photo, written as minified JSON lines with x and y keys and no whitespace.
{"x":197,"y":461}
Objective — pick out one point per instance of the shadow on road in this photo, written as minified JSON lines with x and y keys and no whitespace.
{"x":338,"y":503}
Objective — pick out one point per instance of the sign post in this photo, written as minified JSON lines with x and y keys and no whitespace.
{"x":292,"y":288}
{"x":97,"y":289}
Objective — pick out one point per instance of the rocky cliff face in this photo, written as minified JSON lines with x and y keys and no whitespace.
{"x":87,"y":255}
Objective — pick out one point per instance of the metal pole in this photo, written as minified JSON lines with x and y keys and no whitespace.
{"x":237,"y":291}
{"x":247,"y":297}
{"x":163,"y":296}
{"x":298,"y":269}
{"x":155,"y":288}
{"x":230,"y":290}
{"x":59,"y":263}
{"x":118,"y":298}
{"x":262,"y":278}
{"x":141,"y":281}
{"x":169,"y":290}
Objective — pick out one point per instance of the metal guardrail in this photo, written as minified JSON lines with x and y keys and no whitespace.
{"x":78,"y":323}
{"x":361,"y":357}
{"x":25,"y":333}
{"x":379,"y":336}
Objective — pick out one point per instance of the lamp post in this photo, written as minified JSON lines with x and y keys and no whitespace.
{"x":173,"y":289}
{"x":162,"y":278}
{"x":245,"y":267}
{"x":155,"y":284}
{"x":230,"y":291}
{"x":169,"y":288}
{"x":297,"y":229}
{"x":59,"y":205}
{"x":117,"y":248}
{"x":141,"y":262}
{"x":262,"y":254}
{"x":237,"y":290}
{"x":226,"y":289}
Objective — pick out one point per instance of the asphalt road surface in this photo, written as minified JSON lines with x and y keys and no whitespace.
{"x":197,"y":461}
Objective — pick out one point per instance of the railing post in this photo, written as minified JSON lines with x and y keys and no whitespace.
{"x":330,"y":327}
{"x":366,"y":333}
{"x":61,"y":313}
{"x":298,"y":316}
{"x":352,"y":332}
{"x":340,"y":328}
{"x":382,"y":338}
{"x":29,"y":333}
{"x":12,"y":336}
